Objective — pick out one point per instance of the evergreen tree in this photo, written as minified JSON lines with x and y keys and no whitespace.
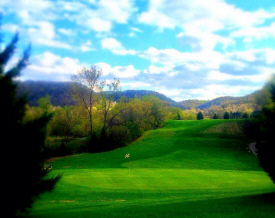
{"x":23,"y":169}
{"x":226,"y":115}
{"x":245,"y":116}
{"x":215,"y":116}
{"x":200,"y":116}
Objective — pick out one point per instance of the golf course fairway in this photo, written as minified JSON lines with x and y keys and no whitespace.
{"x":185,"y":169}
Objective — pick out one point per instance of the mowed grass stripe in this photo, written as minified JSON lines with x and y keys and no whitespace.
{"x":162,"y":179}
{"x":145,"y":184}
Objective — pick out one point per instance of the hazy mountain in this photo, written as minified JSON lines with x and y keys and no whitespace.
{"x":60,"y":95}
{"x":188,"y":104}
{"x":225,"y":100}
{"x":58,"y":91}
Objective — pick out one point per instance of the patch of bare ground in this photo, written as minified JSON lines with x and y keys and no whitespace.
{"x":233,"y":128}
{"x":52,"y":159}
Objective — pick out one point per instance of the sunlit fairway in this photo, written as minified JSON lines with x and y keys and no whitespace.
{"x":186,"y":169}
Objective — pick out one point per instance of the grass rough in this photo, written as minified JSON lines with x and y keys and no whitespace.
{"x":185,"y":169}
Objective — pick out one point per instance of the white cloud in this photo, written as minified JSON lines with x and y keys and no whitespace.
{"x":125,"y":72}
{"x":261,"y":77}
{"x":31,"y":10}
{"x":215,"y":91}
{"x":218,"y":76}
{"x":121,"y":10}
{"x":135,"y":85}
{"x":154,"y":17}
{"x":199,"y":40}
{"x":87,"y":46}
{"x":206,"y":16}
{"x":115,"y":46}
{"x":255,"y":33}
{"x":171,"y":57}
{"x":111,"y":44}
{"x":98,"y":24}
{"x":106,"y":68}
{"x":169,"y":92}
{"x":152,"y":69}
{"x":43,"y":33}
{"x":118,"y":71}
{"x":165,"y":56}
{"x":136,"y":29}
{"x":132,"y":34}
{"x":99,"y":16}
{"x":102,"y":15}
{"x":66,"y":32}
{"x":47,"y":39}
{"x":265,"y":55}
{"x":49,"y":65}
{"x":9,"y":27}
{"x":46,"y":29}
{"x":200,"y":20}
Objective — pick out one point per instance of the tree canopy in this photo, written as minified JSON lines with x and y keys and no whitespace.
{"x":24,"y":169}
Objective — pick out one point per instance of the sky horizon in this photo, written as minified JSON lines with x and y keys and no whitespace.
{"x":183,"y":49}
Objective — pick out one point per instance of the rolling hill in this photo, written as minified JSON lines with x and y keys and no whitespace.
{"x":60,"y":95}
{"x":186,"y":169}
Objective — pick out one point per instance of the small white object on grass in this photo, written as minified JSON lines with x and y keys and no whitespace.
{"x":127,"y":155}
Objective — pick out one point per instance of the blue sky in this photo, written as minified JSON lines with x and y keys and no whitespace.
{"x":193,"y":49}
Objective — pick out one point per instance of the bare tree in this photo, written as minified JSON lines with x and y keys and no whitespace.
{"x":85,"y":85}
{"x":107,"y":98}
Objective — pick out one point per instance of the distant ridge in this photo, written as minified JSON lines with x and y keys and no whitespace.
{"x":191,"y":103}
{"x":60,"y":95}
{"x":58,"y":91}
{"x":221,"y":101}
{"x":141,"y":93}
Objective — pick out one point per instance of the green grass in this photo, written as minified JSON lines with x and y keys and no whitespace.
{"x":186,"y":169}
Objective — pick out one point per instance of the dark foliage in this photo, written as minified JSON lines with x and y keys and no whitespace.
{"x":103,"y":142}
{"x":23,"y":169}
{"x":215,"y":116}
{"x":266,"y":156}
{"x":200,"y":116}
{"x":236,"y":115}
{"x":245,"y":116}
{"x":226,"y":115}
{"x":65,"y":147}
{"x":262,"y":130}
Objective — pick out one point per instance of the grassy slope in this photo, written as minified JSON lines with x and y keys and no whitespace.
{"x":186,"y":169}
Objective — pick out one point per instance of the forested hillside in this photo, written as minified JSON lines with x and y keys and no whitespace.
{"x":227,"y":100}
{"x":60,"y":94}
{"x":192,"y":103}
